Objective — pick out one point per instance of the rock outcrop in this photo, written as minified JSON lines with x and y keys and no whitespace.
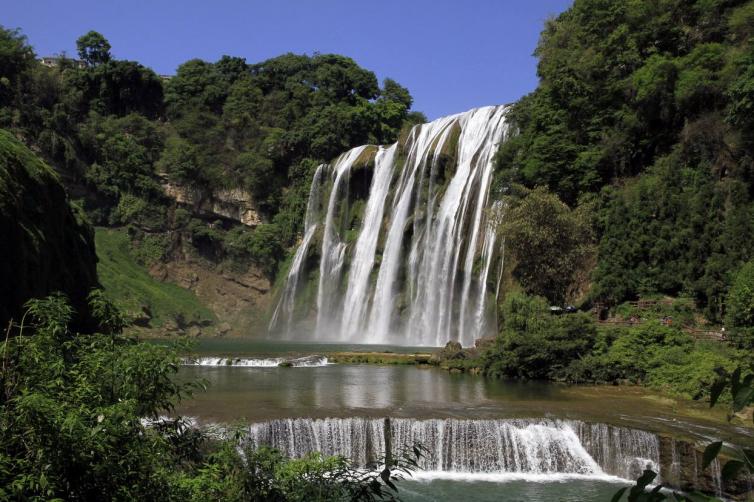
{"x":239,"y":298}
{"x":234,"y":204}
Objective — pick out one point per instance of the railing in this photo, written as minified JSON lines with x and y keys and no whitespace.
{"x":701,"y":334}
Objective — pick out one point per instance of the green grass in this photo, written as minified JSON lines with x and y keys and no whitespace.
{"x":130,"y":286}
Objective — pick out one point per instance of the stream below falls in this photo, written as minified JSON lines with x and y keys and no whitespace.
{"x":502,"y":440}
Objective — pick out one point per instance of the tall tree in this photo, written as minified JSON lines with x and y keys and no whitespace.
{"x":93,"y":48}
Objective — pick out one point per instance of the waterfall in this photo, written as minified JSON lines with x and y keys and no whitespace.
{"x":356,"y":298}
{"x":620,"y":451}
{"x":408,"y":261}
{"x":333,"y":245}
{"x":285,"y":306}
{"x":531,"y":447}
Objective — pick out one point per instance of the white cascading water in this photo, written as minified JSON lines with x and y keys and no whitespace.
{"x":357,"y":293}
{"x":473,"y":447}
{"x":333,"y":245}
{"x":418,"y":271}
{"x":258,"y":362}
{"x":285,"y":306}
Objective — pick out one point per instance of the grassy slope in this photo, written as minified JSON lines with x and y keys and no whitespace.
{"x":129,"y":284}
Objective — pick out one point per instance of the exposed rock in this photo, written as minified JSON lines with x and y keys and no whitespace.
{"x":238,"y":299}
{"x":194,"y":331}
{"x":680,"y":465}
{"x":234,"y":204}
{"x":484,"y":343}
{"x":143,"y":317}
{"x":451,"y":351}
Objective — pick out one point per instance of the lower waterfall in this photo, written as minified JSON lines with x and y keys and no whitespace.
{"x":473,"y":447}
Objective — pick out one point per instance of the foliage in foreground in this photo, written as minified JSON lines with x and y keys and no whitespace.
{"x":75,"y":415}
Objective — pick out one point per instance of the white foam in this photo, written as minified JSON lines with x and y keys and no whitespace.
{"x":267,"y":362}
{"x":507,"y":477}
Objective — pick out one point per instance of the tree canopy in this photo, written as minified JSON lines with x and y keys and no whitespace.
{"x":119,"y":132}
{"x":93,"y":48}
{"x":648,"y":105}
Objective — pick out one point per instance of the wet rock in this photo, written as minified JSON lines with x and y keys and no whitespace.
{"x":451,"y":351}
{"x":143,"y":318}
{"x":484,"y":343}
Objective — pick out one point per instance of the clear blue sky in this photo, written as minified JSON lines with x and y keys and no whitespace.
{"x":452,"y":55}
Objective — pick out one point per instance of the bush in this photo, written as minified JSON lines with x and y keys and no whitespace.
{"x":261,"y":246}
{"x":535,"y":344}
{"x":739,"y":316}
{"x":71,"y":418}
{"x":549,"y":244}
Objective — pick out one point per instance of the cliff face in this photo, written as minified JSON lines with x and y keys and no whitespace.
{"x":235,"y":204}
{"x":45,"y":243}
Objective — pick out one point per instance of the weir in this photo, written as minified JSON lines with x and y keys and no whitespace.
{"x":473,"y":447}
{"x":415,"y":258}
{"x":258,"y":362}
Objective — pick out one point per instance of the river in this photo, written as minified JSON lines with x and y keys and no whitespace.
{"x":503,"y":440}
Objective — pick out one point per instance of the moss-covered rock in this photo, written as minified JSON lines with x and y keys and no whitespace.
{"x":47,"y":245}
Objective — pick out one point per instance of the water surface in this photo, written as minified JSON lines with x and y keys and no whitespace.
{"x":242,"y":394}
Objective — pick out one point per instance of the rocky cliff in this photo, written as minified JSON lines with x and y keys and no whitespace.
{"x":233,"y":204}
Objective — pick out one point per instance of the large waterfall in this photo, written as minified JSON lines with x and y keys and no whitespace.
{"x":401,"y":241}
{"x":473,"y":447}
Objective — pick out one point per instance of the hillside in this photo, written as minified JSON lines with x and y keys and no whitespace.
{"x":641,"y":131}
{"x":208,"y":170}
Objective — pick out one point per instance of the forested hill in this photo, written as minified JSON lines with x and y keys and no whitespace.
{"x":210,"y":165}
{"x":643,"y":123}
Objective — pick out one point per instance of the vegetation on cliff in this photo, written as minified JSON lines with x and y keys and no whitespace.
{"x":47,"y":244}
{"x":143,"y":298}
{"x":118,"y":133}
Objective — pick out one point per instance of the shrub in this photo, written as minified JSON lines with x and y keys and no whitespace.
{"x":739,"y":315}
{"x":535,"y":344}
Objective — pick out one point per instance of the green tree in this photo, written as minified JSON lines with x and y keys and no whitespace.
{"x":260,"y":177}
{"x":16,"y":58}
{"x":658,"y":123}
{"x":550,"y":245}
{"x":93,"y":48}
{"x":739,"y":315}
{"x":534,"y":344}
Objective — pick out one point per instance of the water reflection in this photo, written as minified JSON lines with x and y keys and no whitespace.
{"x":261,"y":393}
